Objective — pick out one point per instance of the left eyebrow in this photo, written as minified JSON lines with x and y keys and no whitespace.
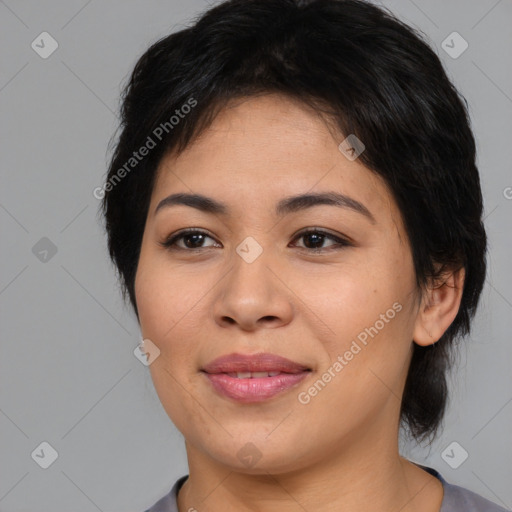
{"x":304,"y":201}
{"x":284,"y":206}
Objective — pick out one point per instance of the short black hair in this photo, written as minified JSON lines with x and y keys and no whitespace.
{"x":375,"y":77}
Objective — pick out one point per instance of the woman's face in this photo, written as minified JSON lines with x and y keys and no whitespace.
{"x":343,"y":308}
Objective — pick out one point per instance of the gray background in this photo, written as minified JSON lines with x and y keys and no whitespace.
{"x":68,"y":373}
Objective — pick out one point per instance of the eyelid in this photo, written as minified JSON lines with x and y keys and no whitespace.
{"x":341,"y":240}
{"x":169,"y":242}
{"x":323,"y":231}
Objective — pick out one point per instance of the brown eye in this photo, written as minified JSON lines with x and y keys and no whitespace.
{"x":192,"y":239}
{"x":315,"y":238}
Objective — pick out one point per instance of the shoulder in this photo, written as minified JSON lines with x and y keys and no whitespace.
{"x":460,"y":499}
{"x":168,"y":503}
{"x":455,"y":499}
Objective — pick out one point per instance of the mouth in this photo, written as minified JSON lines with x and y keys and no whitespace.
{"x":254,"y":375}
{"x":253,"y":378}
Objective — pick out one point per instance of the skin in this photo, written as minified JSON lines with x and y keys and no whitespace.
{"x":340,"y":450}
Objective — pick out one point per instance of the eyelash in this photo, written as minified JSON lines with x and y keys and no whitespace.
{"x":170,"y":242}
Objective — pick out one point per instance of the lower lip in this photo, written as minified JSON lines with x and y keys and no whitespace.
{"x":254,"y":390}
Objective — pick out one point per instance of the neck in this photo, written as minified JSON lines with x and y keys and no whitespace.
{"x":359,"y":475}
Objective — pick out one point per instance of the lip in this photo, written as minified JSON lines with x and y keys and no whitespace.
{"x":253,"y":389}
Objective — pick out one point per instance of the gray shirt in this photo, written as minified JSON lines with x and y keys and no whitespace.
{"x":455,"y":499}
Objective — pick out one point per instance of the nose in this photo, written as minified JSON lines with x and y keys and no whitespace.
{"x":253,"y":295}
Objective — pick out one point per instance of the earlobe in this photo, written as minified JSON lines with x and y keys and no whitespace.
{"x":439,"y":307}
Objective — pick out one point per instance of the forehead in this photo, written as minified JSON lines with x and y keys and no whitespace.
{"x":261,"y":149}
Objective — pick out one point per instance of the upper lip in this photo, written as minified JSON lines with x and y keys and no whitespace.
{"x":263,"y":362}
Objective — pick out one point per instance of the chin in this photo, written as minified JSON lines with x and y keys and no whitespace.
{"x":258,"y":457}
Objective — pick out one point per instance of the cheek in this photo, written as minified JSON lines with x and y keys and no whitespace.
{"x":351,"y":298}
{"x":159,"y":293}
{"x":149,"y":302}
{"x":170,"y":310}
{"x":365,"y":312}
{"x":156,"y":298}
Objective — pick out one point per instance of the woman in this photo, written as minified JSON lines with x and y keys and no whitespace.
{"x":295,"y":213}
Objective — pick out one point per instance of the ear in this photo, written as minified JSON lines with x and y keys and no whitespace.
{"x":439,"y":306}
